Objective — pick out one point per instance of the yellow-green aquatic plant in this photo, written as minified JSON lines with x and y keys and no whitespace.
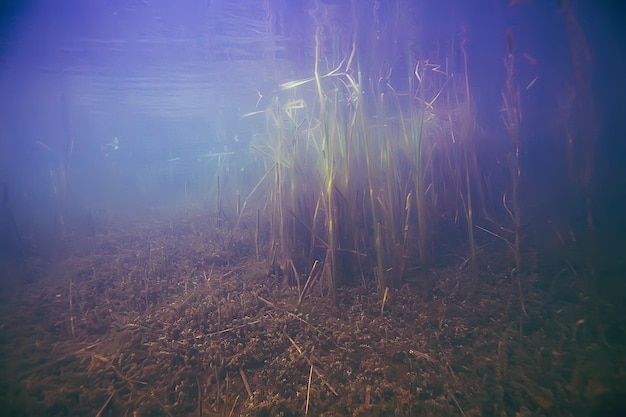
{"x":364,"y":173}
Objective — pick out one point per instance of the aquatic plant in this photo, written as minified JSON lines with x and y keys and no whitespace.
{"x":359,"y":180}
{"x":370,"y":161}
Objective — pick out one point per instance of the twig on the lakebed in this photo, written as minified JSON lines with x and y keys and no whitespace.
{"x":232,"y":410}
{"x":308,"y":392}
{"x":105,"y":404}
{"x":314,"y":274}
{"x":317,"y":372}
{"x":293,"y":342}
{"x":245,"y":382}
{"x":382,"y":306}
{"x":456,"y":403}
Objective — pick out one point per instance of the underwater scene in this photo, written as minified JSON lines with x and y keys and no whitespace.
{"x":274,"y":208}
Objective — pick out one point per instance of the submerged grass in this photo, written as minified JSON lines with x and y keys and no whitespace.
{"x":367,"y":174}
{"x":361,"y":180}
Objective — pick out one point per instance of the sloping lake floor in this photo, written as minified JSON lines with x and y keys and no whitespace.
{"x":173,"y":318}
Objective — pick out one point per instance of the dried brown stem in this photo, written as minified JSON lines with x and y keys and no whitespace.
{"x":308,"y":392}
{"x":246,"y":383}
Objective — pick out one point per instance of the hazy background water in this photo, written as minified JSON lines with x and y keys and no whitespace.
{"x":120,"y":104}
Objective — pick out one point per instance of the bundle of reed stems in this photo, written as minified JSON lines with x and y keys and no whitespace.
{"x":359,"y":174}
{"x":367,"y":172}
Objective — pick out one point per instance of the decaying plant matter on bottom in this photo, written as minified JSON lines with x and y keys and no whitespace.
{"x":165,"y":320}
